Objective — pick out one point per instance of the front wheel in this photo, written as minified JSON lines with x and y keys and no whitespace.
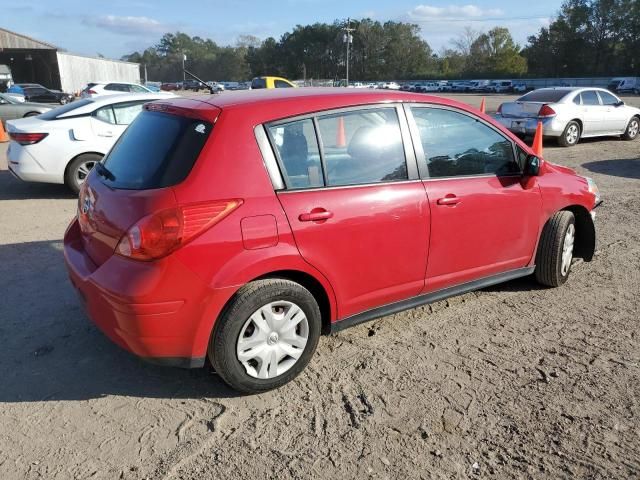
{"x":555,"y":249}
{"x":266,"y":335}
{"x":64,"y":101}
{"x":570,"y":136}
{"x":632,"y":129}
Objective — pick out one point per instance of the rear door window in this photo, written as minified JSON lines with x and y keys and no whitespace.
{"x":125,"y":113}
{"x":116,"y":87}
{"x":157,"y":150}
{"x":363,"y":146}
{"x":590,"y":97}
{"x":258,"y":83}
{"x":105,"y":114}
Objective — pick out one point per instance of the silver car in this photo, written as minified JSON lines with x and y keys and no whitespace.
{"x":570,"y":113}
{"x":11,"y":108}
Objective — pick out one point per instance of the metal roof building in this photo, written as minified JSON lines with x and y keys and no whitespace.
{"x":34,"y":61}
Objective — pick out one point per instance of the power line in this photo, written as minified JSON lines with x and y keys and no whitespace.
{"x":486,"y":19}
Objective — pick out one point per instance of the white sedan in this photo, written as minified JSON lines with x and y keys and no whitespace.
{"x":63,"y":144}
{"x":101,"y":89}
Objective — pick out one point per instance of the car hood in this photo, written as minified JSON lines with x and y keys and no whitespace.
{"x":559,"y":168}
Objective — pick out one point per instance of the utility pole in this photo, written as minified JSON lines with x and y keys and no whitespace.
{"x":184,"y":75}
{"x":348,"y":38}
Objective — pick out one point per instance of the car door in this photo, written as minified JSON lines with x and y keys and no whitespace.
{"x":355,"y":203}
{"x":615,"y":116}
{"x":592,"y":113}
{"x":484,"y":217}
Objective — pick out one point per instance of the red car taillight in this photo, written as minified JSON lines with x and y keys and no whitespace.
{"x":159,"y":234}
{"x":91,"y":92}
{"x":27,"y":138}
{"x":546,"y":111}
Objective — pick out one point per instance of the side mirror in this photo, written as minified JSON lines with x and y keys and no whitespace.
{"x":532,"y":166}
{"x":619,"y":104}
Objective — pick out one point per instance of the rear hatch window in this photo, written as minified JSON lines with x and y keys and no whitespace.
{"x":544,"y":96}
{"x":157,"y":150}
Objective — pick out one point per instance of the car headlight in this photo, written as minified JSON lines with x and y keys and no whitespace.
{"x":593,"y":188}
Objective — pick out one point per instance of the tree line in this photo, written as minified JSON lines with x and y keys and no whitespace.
{"x":587,"y":38}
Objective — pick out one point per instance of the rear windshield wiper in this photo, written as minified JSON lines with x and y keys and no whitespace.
{"x":104,"y":171}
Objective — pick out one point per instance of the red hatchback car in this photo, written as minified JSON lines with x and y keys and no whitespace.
{"x":241,"y":227}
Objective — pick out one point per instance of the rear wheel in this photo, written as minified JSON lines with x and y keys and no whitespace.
{"x":78,"y":170}
{"x":31,"y":114}
{"x":555,"y":250}
{"x":570,"y":136}
{"x":64,"y":101}
{"x":266,"y":336}
{"x":632,"y":129}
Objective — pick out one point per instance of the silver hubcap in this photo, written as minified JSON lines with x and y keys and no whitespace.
{"x":567,"y":249}
{"x":272,"y":339}
{"x":572,"y":134}
{"x":633,"y":128}
{"x":83,"y":170}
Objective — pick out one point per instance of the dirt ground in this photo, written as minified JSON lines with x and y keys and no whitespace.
{"x":514,"y":381}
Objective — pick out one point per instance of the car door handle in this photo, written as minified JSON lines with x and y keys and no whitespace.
{"x":105,"y":134}
{"x":315,"y":215}
{"x":450,"y":200}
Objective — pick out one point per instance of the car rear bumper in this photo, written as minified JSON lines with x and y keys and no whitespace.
{"x":551,"y":127}
{"x":141,"y":307}
{"x":24,"y":166}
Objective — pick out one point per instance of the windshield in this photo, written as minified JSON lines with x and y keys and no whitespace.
{"x":157,"y":150}
{"x":546,"y":96}
{"x":69,"y":107}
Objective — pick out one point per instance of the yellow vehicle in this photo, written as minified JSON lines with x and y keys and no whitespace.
{"x":271,"y":82}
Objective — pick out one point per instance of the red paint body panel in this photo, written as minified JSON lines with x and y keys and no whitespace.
{"x":380,"y":243}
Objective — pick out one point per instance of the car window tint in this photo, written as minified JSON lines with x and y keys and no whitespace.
{"x":607,"y":98}
{"x":105,"y":114}
{"x":281,"y":84}
{"x":298,"y":152}
{"x":577,"y":100}
{"x":138,"y":89}
{"x":363,"y":146}
{"x":458,"y":145}
{"x":116,"y":87}
{"x":258,"y":83}
{"x":547,"y":96}
{"x":126,"y":112}
{"x":590,"y":97}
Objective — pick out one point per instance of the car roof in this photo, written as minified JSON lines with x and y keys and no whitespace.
{"x":281,"y":103}
{"x":116,"y":81}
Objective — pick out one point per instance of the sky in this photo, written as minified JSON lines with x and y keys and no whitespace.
{"x":116,"y":27}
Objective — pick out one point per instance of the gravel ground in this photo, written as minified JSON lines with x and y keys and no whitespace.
{"x":514,"y":381}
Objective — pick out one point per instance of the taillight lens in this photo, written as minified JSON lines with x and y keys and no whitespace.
{"x":159,"y":234}
{"x":546,"y":111}
{"x":27,"y":138}
{"x":91,"y":92}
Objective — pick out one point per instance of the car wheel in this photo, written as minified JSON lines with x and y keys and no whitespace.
{"x":78,"y":170}
{"x":265,"y":336}
{"x":64,"y":101}
{"x":30,"y":114}
{"x":555,"y":250}
{"x":570,"y":136}
{"x":632,"y":129}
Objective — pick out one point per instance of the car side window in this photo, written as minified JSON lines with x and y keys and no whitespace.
{"x":362,"y":146}
{"x":105,"y":114}
{"x":298,"y":153}
{"x":137,"y":89}
{"x":456,"y":144}
{"x":607,"y":98}
{"x":577,"y":100}
{"x":590,"y":97}
{"x":281,"y":84}
{"x":125,"y":113}
{"x":116,"y":87}
{"x":258,"y":83}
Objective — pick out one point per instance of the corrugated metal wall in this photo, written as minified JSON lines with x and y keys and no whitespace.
{"x":76,"y":71}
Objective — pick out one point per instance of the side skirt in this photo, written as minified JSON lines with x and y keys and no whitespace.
{"x":436,"y":296}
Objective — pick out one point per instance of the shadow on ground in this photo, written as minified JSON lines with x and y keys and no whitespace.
{"x":13,"y":189}
{"x":626,"y":168}
{"x":51,"y":351}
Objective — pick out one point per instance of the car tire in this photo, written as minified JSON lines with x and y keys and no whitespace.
{"x":633,"y":127}
{"x":571,"y":135}
{"x":30,"y":114}
{"x":78,"y":170}
{"x":267,"y":301}
{"x":64,"y":101}
{"x":555,"y":250}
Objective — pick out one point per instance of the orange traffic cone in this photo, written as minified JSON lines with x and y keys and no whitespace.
{"x":341,"y":138}
{"x":537,"y":140}
{"x":3,"y":135}
{"x":482,"y":106}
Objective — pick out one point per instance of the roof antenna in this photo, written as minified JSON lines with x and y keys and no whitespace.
{"x":192,"y":75}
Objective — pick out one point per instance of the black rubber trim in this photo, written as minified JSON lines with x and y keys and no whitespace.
{"x":179,"y":362}
{"x":429,"y":298}
{"x":597,"y":204}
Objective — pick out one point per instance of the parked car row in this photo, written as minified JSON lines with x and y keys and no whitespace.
{"x":36,"y":93}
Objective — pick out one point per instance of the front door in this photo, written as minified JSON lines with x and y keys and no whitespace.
{"x":358,"y":213}
{"x":484,"y":217}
